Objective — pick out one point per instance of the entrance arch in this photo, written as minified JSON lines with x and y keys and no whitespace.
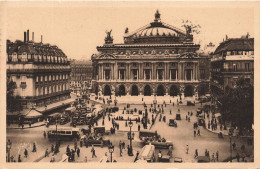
{"x":107,"y":90}
{"x":174,"y":90}
{"x":134,"y":90}
{"x":121,"y":91}
{"x":160,"y":90}
{"x":147,"y":90}
{"x":188,"y":92}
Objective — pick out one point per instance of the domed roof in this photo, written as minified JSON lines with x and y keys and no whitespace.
{"x":156,"y":32}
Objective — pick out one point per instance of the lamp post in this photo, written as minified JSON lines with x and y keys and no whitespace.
{"x":8,"y":146}
{"x":230,"y":137}
{"x":131,"y":148}
{"x":56,"y":131}
{"x":111,"y":150}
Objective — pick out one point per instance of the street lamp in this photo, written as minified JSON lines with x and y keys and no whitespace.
{"x":131,"y":148}
{"x":230,"y":137}
{"x":111,"y":150}
{"x":8,"y":146}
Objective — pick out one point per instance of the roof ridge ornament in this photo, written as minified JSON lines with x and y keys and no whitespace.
{"x":157,"y":16}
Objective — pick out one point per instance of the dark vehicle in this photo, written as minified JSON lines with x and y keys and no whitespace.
{"x":54,"y":117}
{"x":64,"y":119}
{"x":99,"y":130}
{"x":203,"y":159}
{"x":172,"y":122}
{"x":85,"y":130}
{"x":199,"y":111}
{"x":178,"y":116}
{"x":189,"y":103}
{"x":178,"y":160}
{"x":165,"y":158}
{"x":147,"y":134}
{"x":201,"y":122}
{"x":162,"y":145}
{"x":64,"y":134}
{"x":70,"y":110}
{"x":97,"y":142}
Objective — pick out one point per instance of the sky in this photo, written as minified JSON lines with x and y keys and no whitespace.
{"x":80,"y":27}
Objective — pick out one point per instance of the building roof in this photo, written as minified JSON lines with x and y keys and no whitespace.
{"x":236,"y":44}
{"x":155,"y":32}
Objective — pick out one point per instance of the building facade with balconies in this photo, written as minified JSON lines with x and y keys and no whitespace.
{"x":232,"y":59}
{"x":40,"y":71}
{"x":81,"y":75}
{"x":157,"y":59}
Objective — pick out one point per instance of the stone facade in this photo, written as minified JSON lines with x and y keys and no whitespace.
{"x":158,"y":59}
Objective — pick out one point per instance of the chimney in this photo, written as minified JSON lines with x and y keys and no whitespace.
{"x":24,"y":37}
{"x":41,"y":38}
{"x":32,"y":36}
{"x":28,"y":35}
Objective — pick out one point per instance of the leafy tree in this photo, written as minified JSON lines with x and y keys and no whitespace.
{"x":237,"y":105}
{"x":13,"y":102}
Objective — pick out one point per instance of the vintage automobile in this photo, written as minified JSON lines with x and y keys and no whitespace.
{"x":203,"y":159}
{"x":159,"y":144}
{"x":178,"y":116}
{"x":189,"y":103}
{"x":96,"y":141}
{"x":178,"y":160}
{"x":172,"y":122}
{"x":99,"y":130}
{"x":64,"y":119}
{"x":143,"y":134}
{"x":201,"y":122}
{"x":64,"y":133}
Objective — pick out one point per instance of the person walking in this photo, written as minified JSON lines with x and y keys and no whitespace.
{"x":196,"y":153}
{"x":194,"y":133}
{"x":238,"y":157}
{"x":25,"y":153}
{"x":52,"y":148}
{"x":213,"y":158}
{"x":93,"y":151}
{"x":136,"y":157}
{"x":78,"y":152}
{"x":44,"y":134}
{"x":198,"y":132}
{"x":217,"y":155}
{"x":187,"y":149}
{"x":34,"y":148}
{"x":46,"y":153}
{"x":159,"y":156}
{"x":19,"y":158}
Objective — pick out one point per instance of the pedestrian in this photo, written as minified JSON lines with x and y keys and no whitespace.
{"x":44,"y":134}
{"x":46,"y":153}
{"x":234,"y":146}
{"x":194,"y":133}
{"x":206,"y":152}
{"x":196,"y":153}
{"x":52,"y":158}
{"x":75,"y":145}
{"x":136,"y":157}
{"x":159,"y":156}
{"x":217,"y":155}
{"x":213,"y":157}
{"x":198,"y":132}
{"x":93,"y":151}
{"x":187,"y":149}
{"x":34,"y":148}
{"x":19,"y":158}
{"x":52,"y":148}
{"x":103,"y":122}
{"x":25,"y":153}
{"x":78,"y":152}
{"x":186,"y":117}
{"x":238,"y":157}
{"x":170,"y":112}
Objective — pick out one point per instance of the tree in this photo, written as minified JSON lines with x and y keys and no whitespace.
{"x":237,"y":104}
{"x":13,"y":102}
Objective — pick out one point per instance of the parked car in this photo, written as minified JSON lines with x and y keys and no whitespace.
{"x":203,"y":159}
{"x":172,"y":122}
{"x":189,"y":103}
{"x":178,"y":116}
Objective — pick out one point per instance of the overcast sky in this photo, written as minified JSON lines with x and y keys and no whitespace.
{"x":78,"y":29}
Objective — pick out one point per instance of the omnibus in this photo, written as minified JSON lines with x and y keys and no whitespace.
{"x":147,"y":153}
{"x":147,"y":134}
{"x":64,"y":133}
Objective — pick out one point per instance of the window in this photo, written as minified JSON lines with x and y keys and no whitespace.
{"x":247,"y":68}
{"x":160,"y":74}
{"x":122,"y":64}
{"x":166,"y":52}
{"x":135,"y":74}
{"x":36,"y":79}
{"x":107,"y":74}
{"x":134,"y":64}
{"x":173,"y":74}
{"x":121,"y":74}
{"x":160,"y":64}
{"x":235,"y":67}
{"x":24,"y":57}
{"x":46,"y":78}
{"x":41,"y":78}
{"x":202,"y":73}
{"x":240,"y":53}
{"x":153,"y":52}
{"x":147,"y":64}
{"x":225,"y":66}
{"x":147,"y":74}
{"x":14,"y":57}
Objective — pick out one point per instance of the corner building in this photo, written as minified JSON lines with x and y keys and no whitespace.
{"x":157,"y":59}
{"x":40,"y":71}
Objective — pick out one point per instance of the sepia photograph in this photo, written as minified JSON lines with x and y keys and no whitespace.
{"x":114,"y":83}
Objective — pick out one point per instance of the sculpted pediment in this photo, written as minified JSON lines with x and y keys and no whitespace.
{"x":189,"y":55}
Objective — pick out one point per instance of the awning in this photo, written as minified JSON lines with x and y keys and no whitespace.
{"x":33,"y":114}
{"x":52,"y":106}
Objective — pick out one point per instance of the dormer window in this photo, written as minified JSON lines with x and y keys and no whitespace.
{"x":153,"y":52}
{"x":166,"y":52}
{"x":140,"y":52}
